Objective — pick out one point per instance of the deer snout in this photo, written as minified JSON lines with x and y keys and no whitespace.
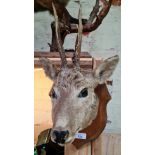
{"x":60,"y":136}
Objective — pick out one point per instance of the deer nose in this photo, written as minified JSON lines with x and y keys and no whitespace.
{"x":60,"y":136}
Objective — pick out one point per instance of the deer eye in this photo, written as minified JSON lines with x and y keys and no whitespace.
{"x":83,"y":93}
{"x":53,"y":94}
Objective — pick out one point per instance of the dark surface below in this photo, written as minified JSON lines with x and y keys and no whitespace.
{"x":50,"y":149}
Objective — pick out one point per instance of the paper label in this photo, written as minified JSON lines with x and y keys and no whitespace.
{"x":80,"y":135}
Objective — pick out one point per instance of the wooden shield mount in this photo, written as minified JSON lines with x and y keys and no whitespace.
{"x":98,"y":125}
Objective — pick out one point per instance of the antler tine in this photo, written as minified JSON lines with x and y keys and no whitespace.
{"x":58,"y":38}
{"x":76,"y":57}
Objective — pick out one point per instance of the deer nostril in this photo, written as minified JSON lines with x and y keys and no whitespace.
{"x":60,"y":136}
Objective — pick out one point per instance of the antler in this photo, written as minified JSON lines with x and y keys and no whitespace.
{"x":96,"y":17}
{"x":58,"y":39}
{"x":76,"y":55}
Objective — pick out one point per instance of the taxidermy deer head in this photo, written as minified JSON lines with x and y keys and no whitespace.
{"x":75,"y":104}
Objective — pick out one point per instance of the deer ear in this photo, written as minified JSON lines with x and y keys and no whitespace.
{"x":49,"y":68}
{"x":105,"y":69}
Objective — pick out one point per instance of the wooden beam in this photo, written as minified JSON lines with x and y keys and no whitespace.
{"x":86,"y":61}
{"x":69,"y":54}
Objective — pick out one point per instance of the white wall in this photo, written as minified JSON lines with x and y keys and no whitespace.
{"x":104,"y":42}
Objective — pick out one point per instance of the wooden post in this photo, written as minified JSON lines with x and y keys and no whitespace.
{"x":105,"y":144}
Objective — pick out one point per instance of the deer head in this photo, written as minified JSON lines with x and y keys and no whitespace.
{"x":75,"y":104}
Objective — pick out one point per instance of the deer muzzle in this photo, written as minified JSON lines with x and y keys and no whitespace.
{"x":60,"y":137}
